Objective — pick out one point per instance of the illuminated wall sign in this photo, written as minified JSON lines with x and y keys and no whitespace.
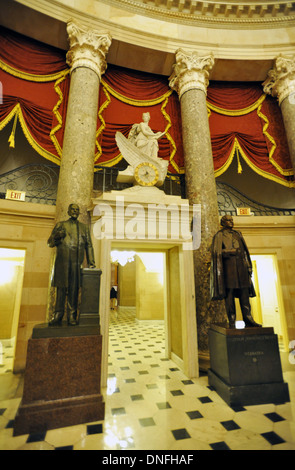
{"x":244,"y":211}
{"x":15,"y":195}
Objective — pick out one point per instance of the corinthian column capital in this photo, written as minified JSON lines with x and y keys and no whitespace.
{"x":190,"y":72}
{"x":281,"y":78}
{"x":87,"y":48}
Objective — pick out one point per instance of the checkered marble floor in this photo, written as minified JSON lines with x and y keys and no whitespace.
{"x":152,"y":405}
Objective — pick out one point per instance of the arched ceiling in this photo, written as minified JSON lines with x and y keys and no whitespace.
{"x":245,"y":37}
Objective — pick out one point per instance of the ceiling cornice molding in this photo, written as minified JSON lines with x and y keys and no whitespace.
{"x":235,"y":14}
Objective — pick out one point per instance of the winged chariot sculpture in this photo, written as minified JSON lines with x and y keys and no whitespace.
{"x":140,"y":150}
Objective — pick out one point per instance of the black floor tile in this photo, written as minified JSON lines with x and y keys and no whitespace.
{"x":238,"y":408}
{"x":94,"y":428}
{"x":118,"y":411}
{"x":205,"y":399}
{"x":151,"y":386}
{"x":230,"y":425}
{"x":219,"y":446}
{"x":194,"y":414}
{"x":147,"y":422}
{"x":64,"y":448}
{"x":180,"y":434}
{"x":187,"y":382}
{"x":274,"y":417}
{"x":36,"y":437}
{"x":273,"y":438}
{"x":163,"y":405}
{"x":136,"y":397}
{"x":176,"y":393}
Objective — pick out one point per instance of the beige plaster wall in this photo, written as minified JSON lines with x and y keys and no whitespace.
{"x":149,"y":293}
{"x":9,"y":305}
{"x":27,"y":226}
{"x":126,"y":285}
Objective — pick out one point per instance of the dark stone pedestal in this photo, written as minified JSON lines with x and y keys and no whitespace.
{"x":62,"y":380}
{"x":89,"y":308}
{"x":245,"y":366}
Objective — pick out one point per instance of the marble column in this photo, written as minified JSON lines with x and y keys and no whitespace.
{"x":87,"y":59}
{"x":190,"y":78}
{"x":280,"y":83}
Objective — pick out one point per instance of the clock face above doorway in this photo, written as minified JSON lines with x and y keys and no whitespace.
{"x":146,"y":174}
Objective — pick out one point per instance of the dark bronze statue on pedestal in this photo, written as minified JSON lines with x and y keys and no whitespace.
{"x":231,"y":271}
{"x":72,"y":240}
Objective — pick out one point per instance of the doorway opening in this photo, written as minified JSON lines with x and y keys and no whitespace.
{"x":139,"y":280}
{"x":11,"y":281}
{"x":267,"y":306}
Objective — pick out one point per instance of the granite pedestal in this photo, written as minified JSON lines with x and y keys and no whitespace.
{"x":245,"y":366}
{"x":63,"y":370}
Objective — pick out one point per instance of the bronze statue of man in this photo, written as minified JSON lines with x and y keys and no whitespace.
{"x":72,"y":240}
{"x":231,"y":271}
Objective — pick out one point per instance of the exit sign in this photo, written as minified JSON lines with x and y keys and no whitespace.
{"x":15,"y":195}
{"x":244,"y":211}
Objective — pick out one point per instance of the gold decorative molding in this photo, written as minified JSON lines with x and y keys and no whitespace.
{"x":235,"y":13}
{"x":281,"y":78}
{"x":87,"y":48}
{"x":190,"y":72}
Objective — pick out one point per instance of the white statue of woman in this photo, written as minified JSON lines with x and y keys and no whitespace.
{"x":142,"y":136}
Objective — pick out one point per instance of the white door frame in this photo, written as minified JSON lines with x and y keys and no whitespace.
{"x":102,"y":250}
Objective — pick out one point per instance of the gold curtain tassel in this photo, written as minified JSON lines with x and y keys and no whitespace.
{"x":240,"y":169}
{"x":11,"y":139}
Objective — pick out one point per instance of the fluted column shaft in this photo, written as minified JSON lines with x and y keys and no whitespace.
{"x":86,"y":57}
{"x":280,"y":83}
{"x":190,"y":80}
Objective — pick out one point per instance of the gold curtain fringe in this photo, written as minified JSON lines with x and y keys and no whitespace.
{"x":282,"y":171}
{"x":32,"y":77}
{"x":17,"y":113}
{"x":135,"y":102}
{"x":103,"y":124}
{"x":163,"y":98}
{"x":57,"y":114}
{"x":240,"y":169}
{"x":256,"y":105}
{"x":226,"y":165}
{"x":237,"y":112}
{"x":11,"y":139}
{"x":237,"y":147}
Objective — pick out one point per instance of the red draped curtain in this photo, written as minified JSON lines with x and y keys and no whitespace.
{"x":35,"y":84}
{"x":245,"y":124}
